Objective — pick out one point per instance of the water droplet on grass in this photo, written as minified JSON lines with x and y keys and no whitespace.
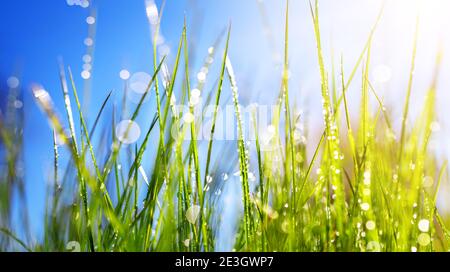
{"x":224,"y":176}
{"x":209,"y":179}
{"x":188,"y":117}
{"x":285,"y":226}
{"x":90,"y":20}
{"x":251,"y":176}
{"x":195,"y":92}
{"x":73,"y":246}
{"x":201,"y":77}
{"x":194,"y":100}
{"x":13,"y":82}
{"x":365,"y":206}
{"x":424,"y":225}
{"x":84,"y":3}
{"x":85,"y":74}
{"x":139,"y":82}
{"x":87,"y":58}
{"x":192,"y":213}
{"x":209,"y":60}
{"x":370,"y":225}
{"x":186,"y":242}
{"x":424,"y":239}
{"x":128,"y":131}
{"x":88,"y":42}
{"x":18,"y":104}
{"x":367,"y":176}
{"x":124,"y":74}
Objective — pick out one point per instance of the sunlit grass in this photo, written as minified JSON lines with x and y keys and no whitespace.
{"x":362,"y":189}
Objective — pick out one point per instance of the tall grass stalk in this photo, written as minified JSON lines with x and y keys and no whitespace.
{"x":352,"y":187}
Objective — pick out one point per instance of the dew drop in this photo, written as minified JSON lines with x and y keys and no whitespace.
{"x":124,"y":74}
{"x":13,"y":82}
{"x":87,"y":58}
{"x":18,"y":104}
{"x":188,"y":117}
{"x":139,"y":82}
{"x":370,"y":225}
{"x":192,"y":213}
{"x":424,"y":225}
{"x":285,"y":226}
{"x":88,"y":42}
{"x":224,"y":176}
{"x":186,"y":242}
{"x":195,"y":92}
{"x":201,"y":76}
{"x":90,"y":20}
{"x":128,"y":131}
{"x":73,"y":246}
{"x":85,"y":74}
{"x":194,"y":100}
{"x":251,"y":176}
{"x":209,"y":179}
{"x":365,"y":206}
{"x":424,"y":239}
{"x":84,"y":3}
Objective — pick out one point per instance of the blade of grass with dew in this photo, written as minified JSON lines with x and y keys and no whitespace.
{"x":216,"y":105}
{"x":203,"y":224}
{"x":44,"y":101}
{"x":243,"y":156}
{"x":333,"y":167}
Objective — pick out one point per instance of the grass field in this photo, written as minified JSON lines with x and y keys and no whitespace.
{"x":364,"y":187}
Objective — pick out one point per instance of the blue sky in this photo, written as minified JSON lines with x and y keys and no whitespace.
{"x":35,"y":33}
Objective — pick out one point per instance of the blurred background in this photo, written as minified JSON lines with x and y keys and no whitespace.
{"x":107,"y":42}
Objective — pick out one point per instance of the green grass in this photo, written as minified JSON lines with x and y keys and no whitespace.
{"x":361,"y":189}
